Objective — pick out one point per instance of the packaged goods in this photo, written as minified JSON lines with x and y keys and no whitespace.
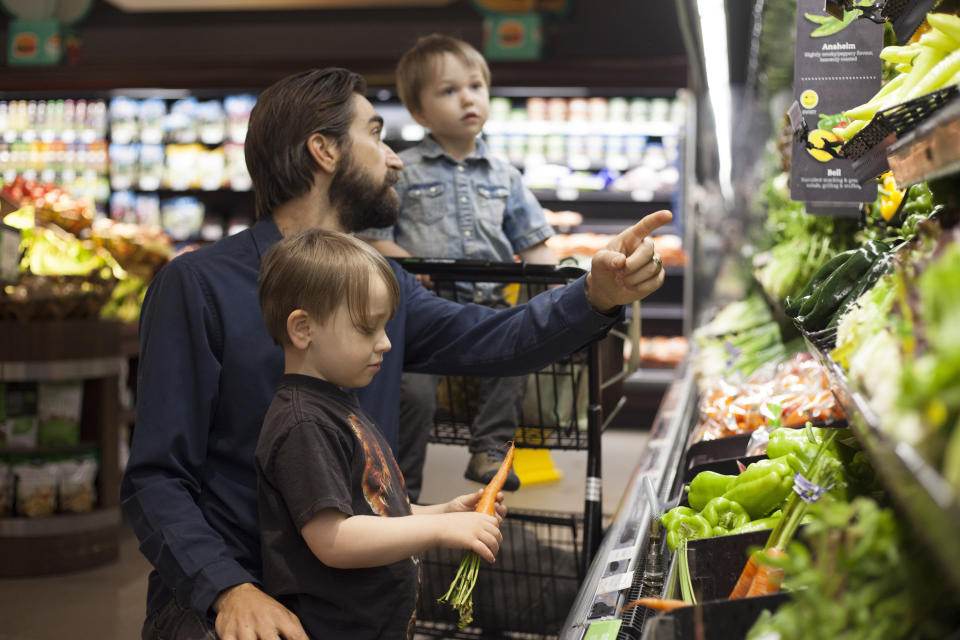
{"x":18,"y":413}
{"x":76,"y":484}
{"x":36,"y":495}
{"x":6,"y":490}
{"x":58,"y":413}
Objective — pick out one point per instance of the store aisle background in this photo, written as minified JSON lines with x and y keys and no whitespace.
{"x":107,"y":602}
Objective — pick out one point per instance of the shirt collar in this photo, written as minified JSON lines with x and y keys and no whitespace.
{"x":430,"y":148}
{"x":265,"y":234}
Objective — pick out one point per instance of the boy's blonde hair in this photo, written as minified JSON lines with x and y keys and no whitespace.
{"x":317,"y":271}
{"x":421,"y":61}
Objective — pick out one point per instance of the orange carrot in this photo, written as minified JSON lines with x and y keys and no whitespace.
{"x":746,"y":577}
{"x":488,"y":501}
{"x":759,"y":578}
{"x":660,"y":604}
{"x":768,"y":577}
{"x":460,"y":593}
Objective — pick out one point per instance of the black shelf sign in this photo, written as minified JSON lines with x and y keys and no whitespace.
{"x":837,"y":66}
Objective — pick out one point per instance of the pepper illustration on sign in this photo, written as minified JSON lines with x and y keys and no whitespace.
{"x":823,"y":145}
{"x":829,"y":26}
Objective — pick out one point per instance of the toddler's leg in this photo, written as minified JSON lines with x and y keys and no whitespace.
{"x":418,"y":403}
{"x":498,"y":416}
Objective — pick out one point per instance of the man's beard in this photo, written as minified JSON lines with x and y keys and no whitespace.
{"x":359,"y":202}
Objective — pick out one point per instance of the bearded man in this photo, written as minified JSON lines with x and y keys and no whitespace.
{"x":208,"y":366}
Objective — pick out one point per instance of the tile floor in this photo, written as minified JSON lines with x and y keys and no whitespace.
{"x":108,"y":602}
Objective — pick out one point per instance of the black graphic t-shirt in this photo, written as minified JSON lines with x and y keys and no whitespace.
{"x":318,"y":450}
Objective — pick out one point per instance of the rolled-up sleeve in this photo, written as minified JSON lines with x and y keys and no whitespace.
{"x":524,"y":222}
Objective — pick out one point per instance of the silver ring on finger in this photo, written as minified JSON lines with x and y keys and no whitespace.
{"x":657,"y":260}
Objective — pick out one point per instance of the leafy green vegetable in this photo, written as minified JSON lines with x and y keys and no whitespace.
{"x":859,"y":575}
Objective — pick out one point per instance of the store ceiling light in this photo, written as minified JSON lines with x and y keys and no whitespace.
{"x":713,"y":29}
{"x":267,"y":5}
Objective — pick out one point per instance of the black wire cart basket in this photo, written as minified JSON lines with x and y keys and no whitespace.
{"x":530,"y":589}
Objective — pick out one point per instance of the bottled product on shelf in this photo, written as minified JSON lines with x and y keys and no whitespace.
{"x":63,"y":142}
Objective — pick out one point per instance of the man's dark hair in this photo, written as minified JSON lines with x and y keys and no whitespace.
{"x":286,"y":114}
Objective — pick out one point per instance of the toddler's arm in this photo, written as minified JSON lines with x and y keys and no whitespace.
{"x":539,"y":253}
{"x":354,"y":542}
{"x":388,"y":248}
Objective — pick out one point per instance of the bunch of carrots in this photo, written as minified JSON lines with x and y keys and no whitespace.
{"x":460,"y":593}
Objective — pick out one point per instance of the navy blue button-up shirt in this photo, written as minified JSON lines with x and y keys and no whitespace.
{"x":206,"y":377}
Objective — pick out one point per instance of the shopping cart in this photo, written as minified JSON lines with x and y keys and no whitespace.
{"x":545,"y":555}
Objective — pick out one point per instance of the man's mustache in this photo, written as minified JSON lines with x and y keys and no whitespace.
{"x":392,"y":176}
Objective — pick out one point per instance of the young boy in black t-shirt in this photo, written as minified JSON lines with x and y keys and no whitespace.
{"x":339,"y":537}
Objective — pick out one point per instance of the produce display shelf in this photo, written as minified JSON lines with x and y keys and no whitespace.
{"x":617,"y":562}
{"x":869,"y":148}
{"x":919,"y":489}
{"x":931,"y":151}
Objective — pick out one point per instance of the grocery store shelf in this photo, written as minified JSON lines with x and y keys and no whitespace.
{"x":646,"y":378}
{"x":870,"y":149}
{"x":931,"y":151}
{"x":582,"y":128}
{"x":59,"y":524}
{"x":80,"y":447}
{"x":54,"y":370}
{"x":658,"y":311}
{"x":919,"y":489}
{"x":577,"y":195}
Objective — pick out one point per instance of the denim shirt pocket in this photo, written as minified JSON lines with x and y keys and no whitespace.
{"x":492,"y":203}
{"x":424,"y":202}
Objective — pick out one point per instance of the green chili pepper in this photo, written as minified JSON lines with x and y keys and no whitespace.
{"x":792,"y":306}
{"x":758,"y":525}
{"x":687,"y":528}
{"x":667,"y":519}
{"x":876,"y":271}
{"x":726,"y":514}
{"x":762,"y":487}
{"x":706,"y":486}
{"x":835,"y":26}
{"x":817,"y":18}
{"x":836,"y":287}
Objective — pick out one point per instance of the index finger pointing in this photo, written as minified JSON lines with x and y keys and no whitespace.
{"x":647,"y":225}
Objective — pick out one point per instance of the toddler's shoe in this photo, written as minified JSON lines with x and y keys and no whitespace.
{"x":484,"y":465}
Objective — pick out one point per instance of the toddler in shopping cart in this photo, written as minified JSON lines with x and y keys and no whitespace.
{"x":339,"y":536}
{"x":458,"y":201}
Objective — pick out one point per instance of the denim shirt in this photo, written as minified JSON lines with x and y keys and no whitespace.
{"x":477,"y":209}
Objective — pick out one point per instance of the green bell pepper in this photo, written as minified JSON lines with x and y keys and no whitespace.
{"x":726,"y":514}
{"x":706,"y":486}
{"x":667,"y":519}
{"x":786,"y":441}
{"x":762,"y":487}
{"x":687,"y":528}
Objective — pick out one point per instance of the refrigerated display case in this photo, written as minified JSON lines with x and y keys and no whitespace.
{"x":912,"y":477}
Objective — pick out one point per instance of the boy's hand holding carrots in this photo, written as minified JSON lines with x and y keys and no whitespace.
{"x":468,"y":502}
{"x":471,"y":531}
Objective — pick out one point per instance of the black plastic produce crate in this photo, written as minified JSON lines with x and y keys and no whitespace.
{"x":526,"y":593}
{"x":715,"y":565}
{"x":867,"y":148}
